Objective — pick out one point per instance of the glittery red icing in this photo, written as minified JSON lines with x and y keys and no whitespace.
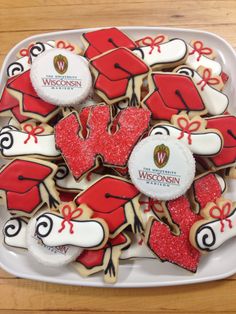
{"x":226,"y":124}
{"x":172,"y":94}
{"x":171,"y":248}
{"x":206,"y":189}
{"x":82,"y":154}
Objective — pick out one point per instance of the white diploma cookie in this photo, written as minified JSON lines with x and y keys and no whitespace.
{"x":212,"y":234}
{"x":203,"y":144}
{"x":29,"y":142}
{"x":215,"y":101}
{"x":47,"y":255}
{"x":171,"y":52}
{"x":197,"y":58}
{"x":61,"y":77}
{"x":14,"y":232}
{"x":161,"y":167}
{"x":54,"y":230}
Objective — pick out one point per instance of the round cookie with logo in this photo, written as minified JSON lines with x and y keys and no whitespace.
{"x":161,"y":167}
{"x":61,"y":77}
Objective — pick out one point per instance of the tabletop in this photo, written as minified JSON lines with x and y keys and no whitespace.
{"x":20,"y":19}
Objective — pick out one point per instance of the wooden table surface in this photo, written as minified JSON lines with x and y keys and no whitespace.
{"x":20,"y":19}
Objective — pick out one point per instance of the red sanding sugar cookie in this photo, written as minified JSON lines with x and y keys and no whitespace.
{"x":100,"y":146}
{"x":175,"y":249}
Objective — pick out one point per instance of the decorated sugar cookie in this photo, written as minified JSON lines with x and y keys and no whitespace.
{"x":159,"y":53}
{"x":61,"y":77}
{"x":70,"y":228}
{"x":119,"y":74}
{"x":216,"y":226}
{"x":171,"y":93}
{"x":200,"y":54}
{"x":106,"y":259}
{"x":100,"y":141}
{"x":33,"y":141}
{"x":14,"y":232}
{"x":193,"y":132}
{"x":30,"y":104}
{"x":226,"y":124}
{"x":65,"y":181}
{"x":103,"y":40}
{"x":9,"y":106}
{"x":26,"y":184}
{"x":48,"y":255}
{"x":115,"y":200}
{"x":206,"y":188}
{"x":168,"y":246}
{"x":209,"y":87}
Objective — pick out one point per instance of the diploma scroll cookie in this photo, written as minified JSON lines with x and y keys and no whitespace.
{"x":216,"y":226}
{"x":14,"y":232}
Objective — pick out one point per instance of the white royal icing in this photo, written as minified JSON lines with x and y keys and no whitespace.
{"x":222,"y":182}
{"x":210,"y":236}
{"x":203,"y":144}
{"x":161,"y":167}
{"x":65,"y":180}
{"x":19,"y":66}
{"x":203,"y":61}
{"x":13,"y":142}
{"x":215,"y":101}
{"x":137,"y":249}
{"x":39,"y":48}
{"x":47,"y":255}
{"x":170,"y":52}
{"x":61,"y":77}
{"x":54,"y":230}
{"x":14,"y":232}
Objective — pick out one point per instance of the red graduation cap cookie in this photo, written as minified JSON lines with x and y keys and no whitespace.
{"x":226,"y":124}
{"x":116,"y":201}
{"x":82,"y":154}
{"x":102,"y":40}
{"x":106,"y":259}
{"x":30,"y":104}
{"x":9,"y":106}
{"x":118,"y":75}
{"x":27,"y":184}
{"x":171,"y":93}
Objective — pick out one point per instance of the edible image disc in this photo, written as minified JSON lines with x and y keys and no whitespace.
{"x":61,"y":77}
{"x":161,"y":167}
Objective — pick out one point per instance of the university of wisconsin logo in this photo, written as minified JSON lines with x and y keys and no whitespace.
{"x":60,"y":64}
{"x":161,"y":155}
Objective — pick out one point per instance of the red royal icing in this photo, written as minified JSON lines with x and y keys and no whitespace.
{"x":200,"y":49}
{"x":103,"y":40}
{"x":151,"y":205}
{"x":187,"y":127}
{"x":207,"y":79}
{"x":171,"y":248}
{"x":107,"y":198}
{"x":32,"y":132}
{"x":152,"y":42}
{"x":226,"y":124}
{"x":206,"y":189}
{"x":173,"y":93}
{"x":113,"y":149}
{"x":68,"y":215}
{"x":63,"y":45}
{"x":25,"y":52}
{"x":222,"y":214}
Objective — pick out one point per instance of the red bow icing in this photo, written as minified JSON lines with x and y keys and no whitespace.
{"x":32,"y":131}
{"x":63,"y":45}
{"x":25,"y":52}
{"x":222,"y":214}
{"x":198,"y":47}
{"x":151,"y":206}
{"x":187,"y":127}
{"x":153,"y":42}
{"x":68,"y":215}
{"x":207,"y":79}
